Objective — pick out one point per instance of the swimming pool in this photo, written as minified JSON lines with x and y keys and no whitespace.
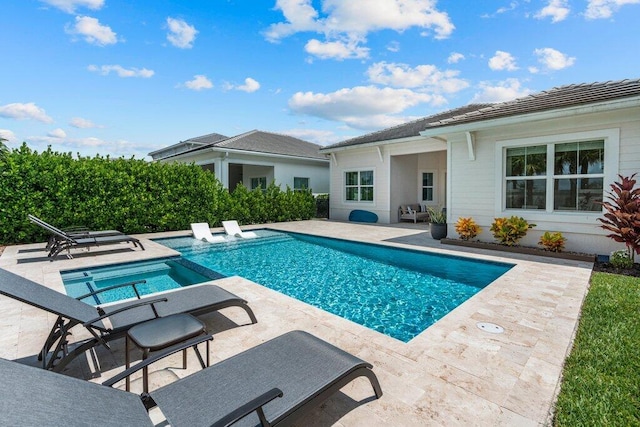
{"x":160,"y":275}
{"x":398,"y":292}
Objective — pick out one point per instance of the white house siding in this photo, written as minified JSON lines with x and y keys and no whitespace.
{"x":475,"y":186}
{"x":356,"y":159}
{"x":318,"y":174}
{"x":282,"y":170}
{"x":395,"y":169}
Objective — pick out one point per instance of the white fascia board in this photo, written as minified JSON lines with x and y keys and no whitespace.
{"x":223,"y":151}
{"x":372,"y":144}
{"x":617,"y":104}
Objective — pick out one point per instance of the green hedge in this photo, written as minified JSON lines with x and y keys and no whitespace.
{"x":130,"y":195}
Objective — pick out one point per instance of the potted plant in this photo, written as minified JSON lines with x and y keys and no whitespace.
{"x":437,"y":223}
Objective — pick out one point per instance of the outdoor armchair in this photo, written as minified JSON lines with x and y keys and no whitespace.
{"x":55,"y":353}
{"x":272,"y":384}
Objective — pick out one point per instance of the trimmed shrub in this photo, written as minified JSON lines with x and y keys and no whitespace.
{"x":130,"y":195}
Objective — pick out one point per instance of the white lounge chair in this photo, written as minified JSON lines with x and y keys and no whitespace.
{"x":233,"y":229}
{"x":201,"y":231}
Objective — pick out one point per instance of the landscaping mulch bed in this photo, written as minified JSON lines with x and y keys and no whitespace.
{"x":605,"y":267}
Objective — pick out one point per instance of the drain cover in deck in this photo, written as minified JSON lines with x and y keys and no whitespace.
{"x":490,"y":327}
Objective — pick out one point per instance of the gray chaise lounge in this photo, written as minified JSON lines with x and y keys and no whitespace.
{"x":195,"y":299}
{"x":61,"y":240}
{"x":273,"y":384}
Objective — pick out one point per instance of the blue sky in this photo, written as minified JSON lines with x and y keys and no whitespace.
{"x":125,"y":78}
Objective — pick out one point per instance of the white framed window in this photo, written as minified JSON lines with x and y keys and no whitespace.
{"x":259,"y":182}
{"x":300,"y":183}
{"x":427,"y":181}
{"x":557,"y":174}
{"x":358,"y":186}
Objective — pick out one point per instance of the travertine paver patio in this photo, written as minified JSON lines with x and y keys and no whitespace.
{"x":451,"y":374}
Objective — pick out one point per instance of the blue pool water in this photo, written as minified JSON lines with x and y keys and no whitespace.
{"x":395,"y":291}
{"x":160,"y":275}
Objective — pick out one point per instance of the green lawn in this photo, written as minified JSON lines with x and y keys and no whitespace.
{"x":601,"y":384}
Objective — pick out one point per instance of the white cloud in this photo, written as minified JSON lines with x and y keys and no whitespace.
{"x":598,"y":9}
{"x":80,"y":123}
{"x":557,"y":10}
{"x":506,"y":90}
{"x":512,"y":6}
{"x":320,"y":137}
{"x":553,"y":60}
{"x":336,"y":49}
{"x":92,"y":31}
{"x":250,"y":85}
{"x":362,"y":106}
{"x":455,"y":57}
{"x":25,"y":111}
{"x":422,"y":76}
{"x":354,"y":19}
{"x":121,"y":71}
{"x":70,"y":6}
{"x":180,"y":33}
{"x":57,"y":133}
{"x":8,"y":135}
{"x":502,"y":61}
{"x":393,"y":46}
{"x":199,"y":82}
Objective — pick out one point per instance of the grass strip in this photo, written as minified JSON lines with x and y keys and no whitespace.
{"x":601,"y":377}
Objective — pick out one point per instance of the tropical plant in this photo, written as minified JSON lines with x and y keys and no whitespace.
{"x":623,"y":214}
{"x":436,"y":216}
{"x":509,"y":231}
{"x":620,"y":259}
{"x":553,"y":242}
{"x":467,"y":228}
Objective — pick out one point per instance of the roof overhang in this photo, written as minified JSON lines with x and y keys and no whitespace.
{"x":374,"y":144}
{"x":617,"y":104}
{"x":223,"y":152}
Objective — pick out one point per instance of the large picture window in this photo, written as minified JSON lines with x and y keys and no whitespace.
{"x":564,"y":176}
{"x":359,"y":186}
{"x":526,"y":176}
{"x":578,"y":180}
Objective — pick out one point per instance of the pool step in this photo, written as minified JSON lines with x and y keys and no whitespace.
{"x":122,"y":271}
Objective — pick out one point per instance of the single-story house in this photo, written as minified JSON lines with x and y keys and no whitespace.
{"x":549,"y":157}
{"x":255,"y":159}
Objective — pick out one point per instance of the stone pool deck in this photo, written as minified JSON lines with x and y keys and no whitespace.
{"x":451,"y":374}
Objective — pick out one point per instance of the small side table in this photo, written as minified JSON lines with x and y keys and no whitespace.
{"x":161,"y":333}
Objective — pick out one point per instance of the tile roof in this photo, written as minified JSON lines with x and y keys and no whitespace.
{"x":407,"y":130}
{"x":210,"y":138}
{"x":266,"y":142}
{"x":556,"y":98}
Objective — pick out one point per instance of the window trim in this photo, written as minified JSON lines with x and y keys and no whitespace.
{"x":611,"y":139}
{"x":344,"y":186}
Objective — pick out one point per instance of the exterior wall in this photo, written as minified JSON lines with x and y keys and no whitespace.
{"x":353,"y":160}
{"x":282,"y":170}
{"x":395,"y":167}
{"x":475,"y":187}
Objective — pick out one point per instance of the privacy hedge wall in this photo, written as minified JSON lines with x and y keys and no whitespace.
{"x":130,"y":195}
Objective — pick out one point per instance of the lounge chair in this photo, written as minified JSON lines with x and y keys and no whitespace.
{"x":74,"y":232}
{"x":201,"y":231}
{"x":275,"y":383}
{"x":194,"y":299}
{"x":63,"y":240}
{"x":233,"y":229}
